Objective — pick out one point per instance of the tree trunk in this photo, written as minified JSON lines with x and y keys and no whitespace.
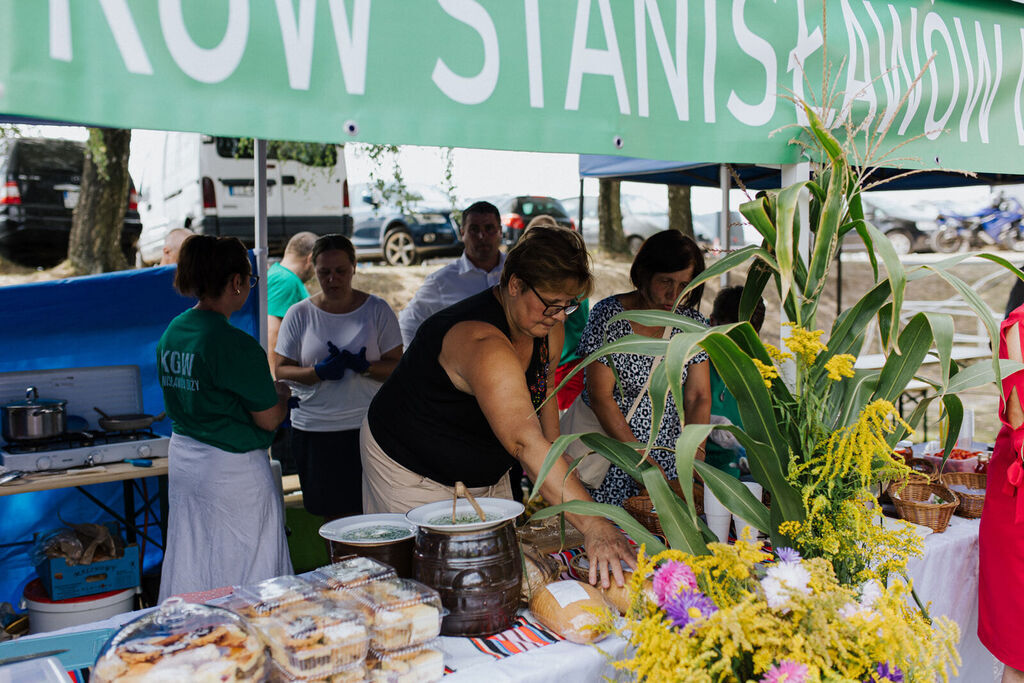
{"x":94,"y":245}
{"x":609,"y":216}
{"x":680,"y":215}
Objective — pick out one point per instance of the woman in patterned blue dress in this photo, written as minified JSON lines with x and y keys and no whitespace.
{"x":666,"y":263}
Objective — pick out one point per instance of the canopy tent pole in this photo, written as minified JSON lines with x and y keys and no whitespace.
{"x":260,"y":238}
{"x":723,"y":218}
{"x":579,"y":209}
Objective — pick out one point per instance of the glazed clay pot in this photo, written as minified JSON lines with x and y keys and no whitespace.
{"x":478,"y":574}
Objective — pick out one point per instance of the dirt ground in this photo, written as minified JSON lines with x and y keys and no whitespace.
{"x":397,"y":286}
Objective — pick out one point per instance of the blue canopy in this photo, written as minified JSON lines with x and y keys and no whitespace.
{"x":761,"y":176}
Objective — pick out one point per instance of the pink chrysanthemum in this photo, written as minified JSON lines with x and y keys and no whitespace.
{"x":670,"y":578}
{"x":785,"y":671}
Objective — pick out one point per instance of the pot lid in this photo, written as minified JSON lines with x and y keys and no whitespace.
{"x":373,"y":529}
{"x":438,"y":516}
{"x":32,"y":400}
{"x":36,"y":403}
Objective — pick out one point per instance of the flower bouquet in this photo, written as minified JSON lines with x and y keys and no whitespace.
{"x":741,"y":615}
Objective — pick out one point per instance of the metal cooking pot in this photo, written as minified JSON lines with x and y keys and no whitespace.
{"x":34,"y":418}
{"x":127,"y":423}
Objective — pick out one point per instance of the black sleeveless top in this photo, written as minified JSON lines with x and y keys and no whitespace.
{"x":428,"y":426}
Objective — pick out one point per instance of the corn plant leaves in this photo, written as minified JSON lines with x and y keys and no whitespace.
{"x":767,"y":448}
{"x":614,"y":513}
{"x":757,"y":213}
{"x":942,"y":328}
{"x":953,"y":408}
{"x":915,"y":340}
{"x":788,"y":230}
{"x":980,"y":374}
{"x":689,"y":439}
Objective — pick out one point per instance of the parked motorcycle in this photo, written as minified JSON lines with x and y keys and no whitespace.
{"x":997,"y":223}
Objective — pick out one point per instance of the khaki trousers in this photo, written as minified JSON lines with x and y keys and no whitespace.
{"x":389,"y":487}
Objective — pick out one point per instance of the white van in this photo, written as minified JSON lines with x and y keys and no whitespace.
{"x":205,"y":183}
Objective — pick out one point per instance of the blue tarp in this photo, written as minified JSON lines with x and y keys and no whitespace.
{"x":100,"y":320}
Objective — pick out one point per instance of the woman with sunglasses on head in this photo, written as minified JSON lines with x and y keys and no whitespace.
{"x":663,"y":267}
{"x":462,"y":405}
{"x":226,"y":519}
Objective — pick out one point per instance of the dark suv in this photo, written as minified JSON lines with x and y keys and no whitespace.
{"x":517,"y":212}
{"x":39,"y":184}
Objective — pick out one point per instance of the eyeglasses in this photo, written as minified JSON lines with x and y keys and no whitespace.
{"x":551,"y":310}
{"x":253,"y":281}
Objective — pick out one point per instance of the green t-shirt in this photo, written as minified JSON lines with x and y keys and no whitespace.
{"x":574,"y":326}
{"x":722,"y":403}
{"x":213,"y":375}
{"x":284,"y":288}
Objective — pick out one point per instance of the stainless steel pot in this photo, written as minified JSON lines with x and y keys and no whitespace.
{"x":34,"y":418}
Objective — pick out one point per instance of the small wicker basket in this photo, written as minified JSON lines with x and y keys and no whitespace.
{"x":970,"y":504}
{"x":641,"y":509}
{"x":909,"y":497}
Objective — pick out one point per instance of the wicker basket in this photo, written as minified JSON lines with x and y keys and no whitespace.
{"x":642,"y":510}
{"x":925,"y":467}
{"x":970,"y":504}
{"x":909,"y":497}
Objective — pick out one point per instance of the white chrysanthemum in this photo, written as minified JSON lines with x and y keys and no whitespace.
{"x":783,"y":578}
{"x":852,"y":610}
{"x":791,"y":574}
{"x":869,"y":593}
{"x":774,"y":592}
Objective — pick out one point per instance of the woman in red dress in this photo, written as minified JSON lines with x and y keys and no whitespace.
{"x":1001,"y":580}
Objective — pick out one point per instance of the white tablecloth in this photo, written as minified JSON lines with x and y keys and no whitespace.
{"x":947,"y":577}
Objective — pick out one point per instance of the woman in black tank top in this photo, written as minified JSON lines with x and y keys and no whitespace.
{"x":462,"y":403}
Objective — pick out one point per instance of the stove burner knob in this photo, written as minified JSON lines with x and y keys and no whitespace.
{"x":94,"y":458}
{"x":43,"y":462}
{"x":144,"y":451}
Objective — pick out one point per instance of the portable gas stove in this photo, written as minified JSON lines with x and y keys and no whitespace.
{"x":116,"y":388}
{"x":82,"y":449}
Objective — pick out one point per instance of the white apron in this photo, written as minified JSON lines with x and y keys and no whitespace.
{"x":226,"y":519}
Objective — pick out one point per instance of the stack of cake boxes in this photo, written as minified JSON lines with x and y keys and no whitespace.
{"x":353,"y":620}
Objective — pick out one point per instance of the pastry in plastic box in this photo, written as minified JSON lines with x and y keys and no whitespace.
{"x":263,"y":599}
{"x":419,"y":664}
{"x":180,"y":641}
{"x":315,"y":638}
{"x":351,"y":572}
{"x":402,"y":612}
{"x":355,"y":673}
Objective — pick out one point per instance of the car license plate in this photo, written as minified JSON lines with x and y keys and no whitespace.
{"x":240,"y":190}
{"x":70,"y":199}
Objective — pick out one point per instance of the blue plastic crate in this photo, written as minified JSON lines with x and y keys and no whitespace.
{"x":62,"y":581}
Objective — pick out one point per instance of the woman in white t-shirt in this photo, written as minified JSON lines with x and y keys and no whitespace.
{"x":334,"y":348}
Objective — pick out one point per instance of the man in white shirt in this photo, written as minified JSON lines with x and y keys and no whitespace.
{"x":478,"y":268}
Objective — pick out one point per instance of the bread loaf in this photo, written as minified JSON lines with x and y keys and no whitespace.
{"x":571,"y":609}
{"x":538,"y":571}
{"x":619,"y":597}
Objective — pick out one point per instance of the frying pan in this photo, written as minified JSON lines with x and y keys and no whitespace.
{"x":127,"y":423}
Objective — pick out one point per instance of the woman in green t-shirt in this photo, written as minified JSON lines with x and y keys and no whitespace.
{"x":226,"y":519}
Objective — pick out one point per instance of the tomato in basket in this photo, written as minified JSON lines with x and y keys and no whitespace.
{"x":962,"y":454}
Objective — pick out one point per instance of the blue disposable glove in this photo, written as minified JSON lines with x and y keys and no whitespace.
{"x":332,"y":367}
{"x":356,"y":361}
{"x":293,"y":402}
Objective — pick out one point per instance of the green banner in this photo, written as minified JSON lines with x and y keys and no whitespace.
{"x":686,"y":80}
